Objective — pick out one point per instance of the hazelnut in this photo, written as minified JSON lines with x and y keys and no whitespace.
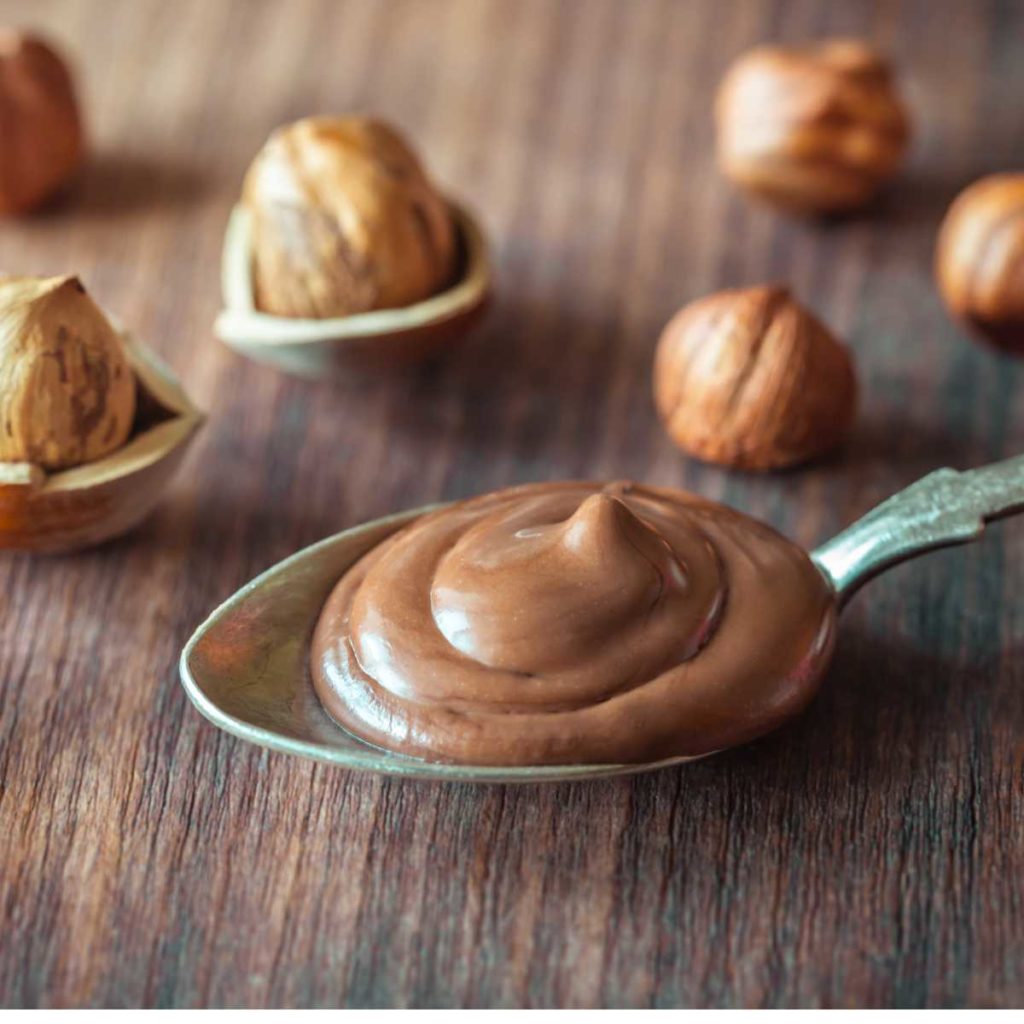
{"x":979,"y":259}
{"x":42,"y":133}
{"x":67,"y":391}
{"x":344,"y":220}
{"x":749,"y":378}
{"x":816,"y":129}
{"x":92,"y":424}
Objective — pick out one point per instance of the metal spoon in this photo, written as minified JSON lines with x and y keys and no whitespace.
{"x":245,"y":668}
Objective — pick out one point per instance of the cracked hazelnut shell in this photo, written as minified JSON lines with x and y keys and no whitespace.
{"x":92,"y":424}
{"x":39,"y":123}
{"x":816,"y":129}
{"x":979,"y":260}
{"x":344,"y":220}
{"x":749,"y":378}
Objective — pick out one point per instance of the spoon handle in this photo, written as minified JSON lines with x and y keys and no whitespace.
{"x":946,"y":507}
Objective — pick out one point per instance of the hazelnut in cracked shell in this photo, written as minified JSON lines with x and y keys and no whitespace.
{"x":39,"y":123}
{"x":979,"y":260}
{"x":816,"y":129}
{"x":750,"y":379}
{"x":67,"y":391}
{"x":573,"y":623}
{"x":344,"y":220}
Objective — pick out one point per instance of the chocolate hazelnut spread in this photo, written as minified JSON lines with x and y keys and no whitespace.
{"x":570,"y":623}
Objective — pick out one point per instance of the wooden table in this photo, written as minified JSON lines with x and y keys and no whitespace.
{"x":870,"y":854}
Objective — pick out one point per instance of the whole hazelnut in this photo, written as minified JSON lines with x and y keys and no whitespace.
{"x":344,"y":220}
{"x":749,"y":378}
{"x":979,"y":259}
{"x":39,"y":123}
{"x":817,"y":128}
{"x":67,"y":391}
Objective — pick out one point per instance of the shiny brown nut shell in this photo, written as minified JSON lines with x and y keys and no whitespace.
{"x":39,"y":123}
{"x":816,"y":129}
{"x":979,"y":261}
{"x":749,"y":378}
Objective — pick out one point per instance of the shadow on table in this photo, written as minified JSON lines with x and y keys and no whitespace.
{"x":115,"y":185}
{"x":915,"y":446}
{"x":880,"y":718}
{"x":532,"y":374}
{"x":918,"y":197}
{"x":921,"y":195}
{"x":246,"y":525}
{"x":887,"y":714}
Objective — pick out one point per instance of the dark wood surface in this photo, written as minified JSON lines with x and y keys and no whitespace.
{"x":870,"y":854}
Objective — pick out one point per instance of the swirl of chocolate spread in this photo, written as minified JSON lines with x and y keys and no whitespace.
{"x":572,"y":623}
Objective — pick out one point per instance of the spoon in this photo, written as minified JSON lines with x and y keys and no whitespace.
{"x":246,"y":667}
{"x":335,"y":347}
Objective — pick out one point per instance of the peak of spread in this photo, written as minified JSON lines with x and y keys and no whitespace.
{"x":573,"y":623}
{"x":526,"y":593}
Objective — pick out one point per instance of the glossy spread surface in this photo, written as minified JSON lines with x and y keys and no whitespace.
{"x":573,"y":623}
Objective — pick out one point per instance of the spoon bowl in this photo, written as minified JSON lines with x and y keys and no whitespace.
{"x":246,"y":667}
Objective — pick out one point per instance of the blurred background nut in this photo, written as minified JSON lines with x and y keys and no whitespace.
{"x":816,"y":129}
{"x":40,"y":129}
{"x":67,"y":391}
{"x":344,"y":220}
{"x":749,"y":378}
{"x":979,"y":259}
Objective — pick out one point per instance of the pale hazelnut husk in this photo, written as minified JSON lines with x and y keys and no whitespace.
{"x":749,"y":378}
{"x":979,"y":260}
{"x":67,"y":393}
{"x":816,"y":129}
{"x":39,"y":123}
{"x":344,"y":220}
{"x":92,"y":424}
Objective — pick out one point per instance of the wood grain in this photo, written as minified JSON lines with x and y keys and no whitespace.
{"x":871,"y":854}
